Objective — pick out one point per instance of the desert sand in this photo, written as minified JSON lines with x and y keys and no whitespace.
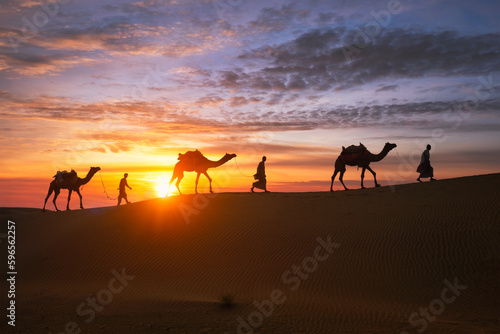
{"x":405,"y":259}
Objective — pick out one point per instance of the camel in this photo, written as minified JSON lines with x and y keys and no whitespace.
{"x":362,"y":158}
{"x":71,"y":182}
{"x":195,"y":161}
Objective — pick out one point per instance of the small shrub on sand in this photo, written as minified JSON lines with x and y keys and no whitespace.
{"x":227,"y":300}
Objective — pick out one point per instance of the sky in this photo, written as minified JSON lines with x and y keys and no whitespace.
{"x":127,"y":85}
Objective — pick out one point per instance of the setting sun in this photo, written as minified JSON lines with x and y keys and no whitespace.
{"x":161,"y":186}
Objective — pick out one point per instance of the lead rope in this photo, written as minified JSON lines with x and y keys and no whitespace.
{"x":398,"y":153}
{"x":400,"y":159}
{"x":239,"y":169}
{"x":104,"y":187}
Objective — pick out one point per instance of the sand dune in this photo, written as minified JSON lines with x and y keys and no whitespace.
{"x":360,"y":261}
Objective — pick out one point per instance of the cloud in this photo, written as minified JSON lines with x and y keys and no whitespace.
{"x":315,"y":60}
{"x":36,"y":65}
{"x":209,"y":101}
{"x":123,"y":30}
{"x":273,"y":19}
{"x":329,"y":18}
{"x":34,"y":3}
{"x":118,"y":36}
{"x":162,"y":117}
{"x":239,"y":101}
{"x":387,"y":88}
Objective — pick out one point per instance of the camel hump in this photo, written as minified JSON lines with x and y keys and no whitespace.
{"x":65,"y":175}
{"x":190,"y":155}
{"x":354,"y":149}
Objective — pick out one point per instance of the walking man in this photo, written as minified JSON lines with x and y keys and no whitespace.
{"x":260,"y":176}
{"x":425,"y":169}
{"x":123,"y":194}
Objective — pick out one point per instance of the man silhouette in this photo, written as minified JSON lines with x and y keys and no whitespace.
{"x":425,"y":169}
{"x":123,"y":194}
{"x":260,"y":176}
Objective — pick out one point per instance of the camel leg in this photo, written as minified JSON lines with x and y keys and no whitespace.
{"x":209,"y":180}
{"x":362,"y":177}
{"x":196,"y":182}
{"x":341,"y":178}
{"x":333,"y":179}
{"x":178,"y":182}
{"x":168,"y":190}
{"x":81,"y":198}
{"x":56,"y":193}
{"x":51,"y":190}
{"x":178,"y":176}
{"x":170,"y":184}
{"x":69,"y":198}
{"x":374,"y":176}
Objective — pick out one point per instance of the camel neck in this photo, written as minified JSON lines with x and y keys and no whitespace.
{"x":381,"y":155}
{"x":87,"y":178}
{"x":223,"y":160}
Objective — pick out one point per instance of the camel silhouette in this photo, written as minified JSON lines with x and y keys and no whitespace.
{"x":71,"y":182}
{"x":360,"y":157}
{"x":195,"y":161}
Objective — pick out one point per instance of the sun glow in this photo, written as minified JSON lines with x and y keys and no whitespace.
{"x":162,"y":186}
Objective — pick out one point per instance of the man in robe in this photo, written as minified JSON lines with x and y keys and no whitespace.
{"x":123,"y":194}
{"x":260,"y":176}
{"x":425,"y":169}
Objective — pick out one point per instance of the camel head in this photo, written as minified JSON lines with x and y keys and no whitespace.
{"x":389,"y":146}
{"x":229,"y":156}
{"x":94,"y":170}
